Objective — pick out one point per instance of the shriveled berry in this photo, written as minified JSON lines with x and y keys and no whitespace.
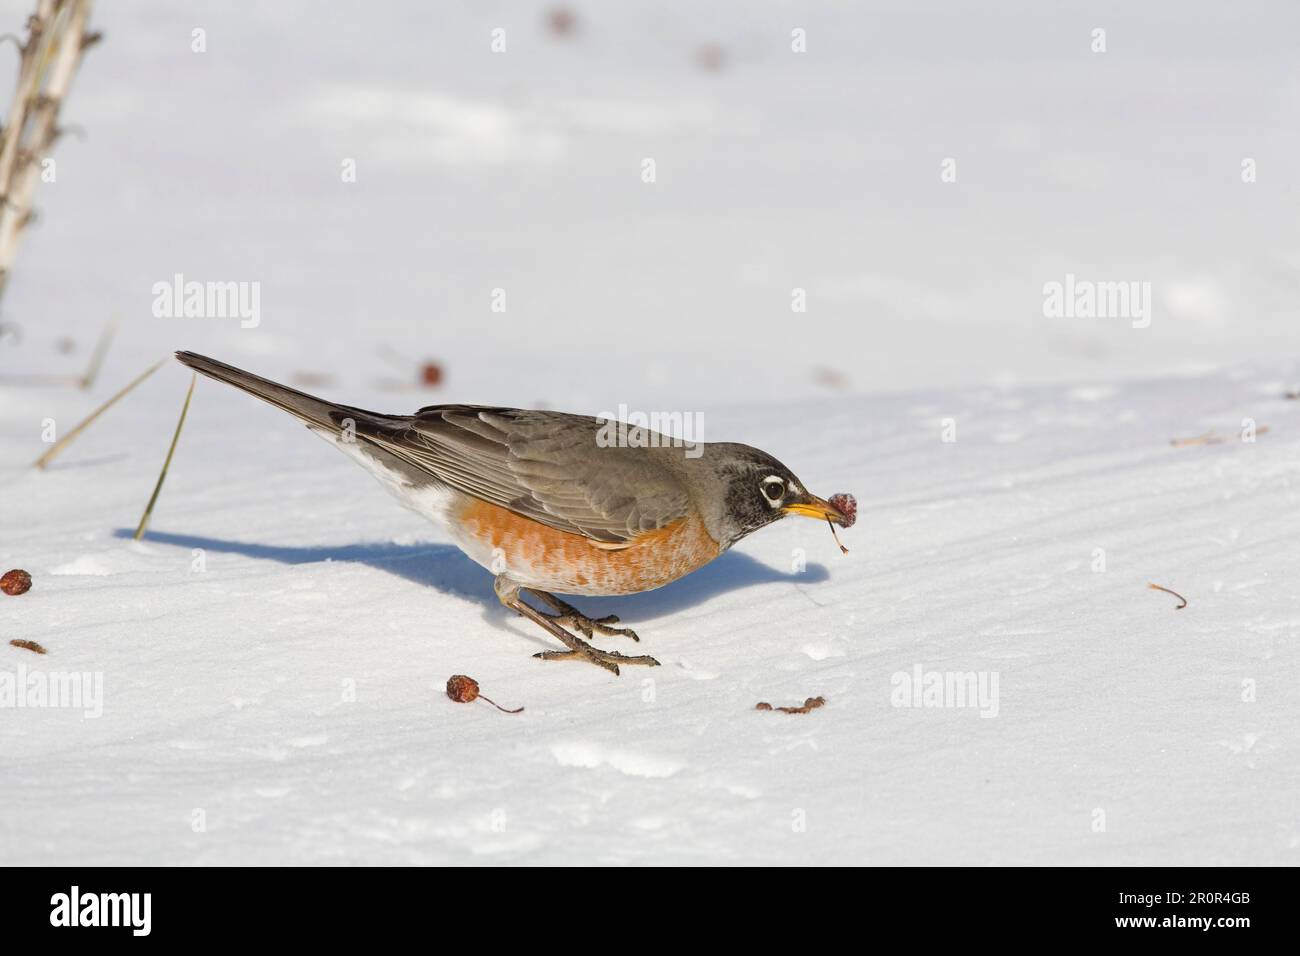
{"x":16,"y":582}
{"x":846,"y":505}
{"x":462,"y":689}
{"x":561,"y":21}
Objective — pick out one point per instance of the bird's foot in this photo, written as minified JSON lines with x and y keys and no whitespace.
{"x":588,"y":626}
{"x":566,"y":615}
{"x":606,"y":659}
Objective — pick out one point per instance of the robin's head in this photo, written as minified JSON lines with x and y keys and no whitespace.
{"x":758,"y":489}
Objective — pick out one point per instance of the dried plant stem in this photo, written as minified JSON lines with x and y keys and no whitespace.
{"x":56,"y":37}
{"x":63,"y":442}
{"x":1157,"y":587}
{"x":101,"y":350}
{"x":843,"y":550}
{"x":517,"y":710}
{"x":83,"y":381}
{"x":162,"y":475}
{"x":1209,"y":438}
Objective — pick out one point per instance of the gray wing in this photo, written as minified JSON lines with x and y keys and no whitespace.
{"x":543,"y":465}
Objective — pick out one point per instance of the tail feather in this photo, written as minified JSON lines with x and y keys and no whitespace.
{"x":314,"y":411}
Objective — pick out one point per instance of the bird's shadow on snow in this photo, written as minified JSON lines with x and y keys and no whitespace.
{"x":445,"y":568}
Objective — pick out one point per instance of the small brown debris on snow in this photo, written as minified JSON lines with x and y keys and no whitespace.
{"x":1157,"y":587}
{"x":831,"y":378}
{"x":428,"y":373}
{"x":463,"y":690}
{"x":16,"y":582}
{"x":710,"y":57}
{"x":811,"y":704}
{"x":1209,"y":438}
{"x":561,"y":21}
{"x":431,"y":374}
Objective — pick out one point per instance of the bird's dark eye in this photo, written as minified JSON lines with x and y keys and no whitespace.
{"x":773,"y":489}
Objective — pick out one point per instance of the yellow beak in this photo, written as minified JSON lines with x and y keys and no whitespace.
{"x":813,"y":507}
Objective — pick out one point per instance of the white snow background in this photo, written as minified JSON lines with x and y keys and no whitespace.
{"x":1021,"y":549}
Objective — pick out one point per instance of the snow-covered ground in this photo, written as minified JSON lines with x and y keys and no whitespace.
{"x":292,"y":690}
{"x":273,"y":655}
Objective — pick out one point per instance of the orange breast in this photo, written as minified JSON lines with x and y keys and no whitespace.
{"x":541,"y":557}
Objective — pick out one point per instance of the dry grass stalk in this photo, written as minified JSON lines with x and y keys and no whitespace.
{"x":162,"y":475}
{"x":101,"y":351}
{"x":1157,"y":587}
{"x":83,"y":381}
{"x":56,"y":37}
{"x":1209,"y":438}
{"x":85,"y":423}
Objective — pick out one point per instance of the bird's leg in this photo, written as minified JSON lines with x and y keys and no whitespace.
{"x":578,"y":649}
{"x":569,"y":616}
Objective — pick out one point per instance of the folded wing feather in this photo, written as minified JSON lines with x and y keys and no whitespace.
{"x":543,"y":465}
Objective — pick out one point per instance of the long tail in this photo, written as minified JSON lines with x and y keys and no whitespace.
{"x":316,"y":412}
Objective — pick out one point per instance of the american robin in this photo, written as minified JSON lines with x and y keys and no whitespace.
{"x":547,"y":504}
